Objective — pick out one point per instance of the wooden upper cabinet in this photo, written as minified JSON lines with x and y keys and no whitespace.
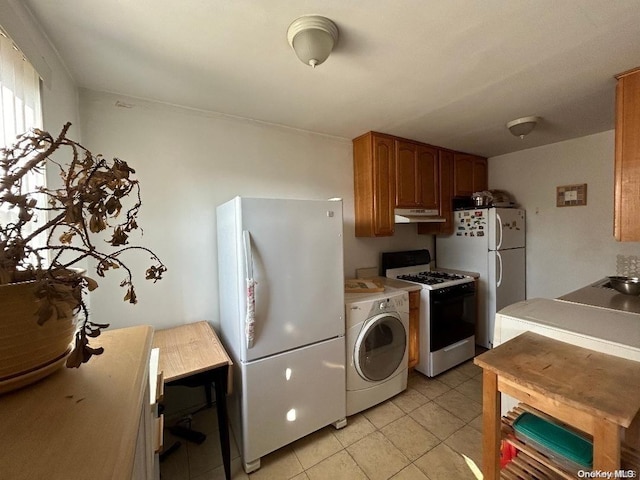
{"x":626,"y":223}
{"x":392,"y":172}
{"x":374,"y":172}
{"x":462,"y":175}
{"x":480,"y":174}
{"x":469,"y":175}
{"x":445,"y":164}
{"x":406,"y":180}
{"x":417,"y":180}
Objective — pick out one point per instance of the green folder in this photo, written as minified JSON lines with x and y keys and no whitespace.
{"x":554,"y":440}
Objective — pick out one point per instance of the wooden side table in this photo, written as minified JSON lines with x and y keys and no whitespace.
{"x":193,"y":353}
{"x":591,"y":391}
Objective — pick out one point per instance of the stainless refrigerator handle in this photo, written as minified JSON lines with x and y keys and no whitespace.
{"x":499,"y":230}
{"x":249,"y":325}
{"x":499,"y":259}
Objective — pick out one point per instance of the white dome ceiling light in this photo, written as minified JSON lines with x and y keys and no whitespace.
{"x":522,"y":126}
{"x":312,"y":38}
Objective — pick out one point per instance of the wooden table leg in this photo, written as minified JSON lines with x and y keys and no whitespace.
{"x":490,"y":426}
{"x":223,"y":424}
{"x":632,"y":434}
{"x":606,"y":445}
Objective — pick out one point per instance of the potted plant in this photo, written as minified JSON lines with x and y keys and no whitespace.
{"x":40,"y":290}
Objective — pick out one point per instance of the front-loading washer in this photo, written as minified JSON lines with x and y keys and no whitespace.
{"x":377,"y":329}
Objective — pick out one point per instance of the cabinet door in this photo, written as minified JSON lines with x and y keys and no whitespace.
{"x":627,"y":158}
{"x":470,"y":174}
{"x":428,"y":194}
{"x":462,"y":175}
{"x":406,"y":175}
{"x":445,"y":175}
{"x":480,"y":174}
{"x":374,"y":185}
{"x":417,"y":182}
{"x":383,"y":186}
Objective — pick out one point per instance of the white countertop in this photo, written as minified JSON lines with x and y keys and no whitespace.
{"x":398,"y":284}
{"x":600,"y":294}
{"x":614,"y":326}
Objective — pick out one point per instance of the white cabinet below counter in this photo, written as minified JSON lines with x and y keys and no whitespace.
{"x":94,"y":422}
{"x":607,"y":331}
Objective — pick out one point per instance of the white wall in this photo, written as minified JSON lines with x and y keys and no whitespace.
{"x":188,"y":162}
{"x":567,"y":247}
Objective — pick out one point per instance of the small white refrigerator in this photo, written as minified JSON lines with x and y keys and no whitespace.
{"x":281,"y":300}
{"x":491,"y":242}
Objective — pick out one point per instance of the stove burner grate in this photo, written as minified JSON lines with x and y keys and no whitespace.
{"x":431,"y":278}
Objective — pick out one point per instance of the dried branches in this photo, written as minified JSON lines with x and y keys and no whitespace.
{"x":89,"y":204}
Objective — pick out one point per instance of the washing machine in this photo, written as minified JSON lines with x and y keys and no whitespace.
{"x":377,"y":331}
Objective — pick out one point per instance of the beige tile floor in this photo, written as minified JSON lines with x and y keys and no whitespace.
{"x":423,"y":433}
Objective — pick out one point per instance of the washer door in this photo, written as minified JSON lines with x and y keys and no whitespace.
{"x":380,"y":347}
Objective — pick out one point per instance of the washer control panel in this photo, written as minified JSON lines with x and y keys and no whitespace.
{"x":397,"y":301}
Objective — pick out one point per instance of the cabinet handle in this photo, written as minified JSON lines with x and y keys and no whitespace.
{"x":160,"y":387}
{"x":159,"y":436}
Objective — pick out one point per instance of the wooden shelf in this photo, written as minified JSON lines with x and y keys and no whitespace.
{"x":526,"y":466}
{"x":532,"y":464}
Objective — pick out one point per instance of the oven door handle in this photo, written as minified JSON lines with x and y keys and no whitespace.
{"x":499,"y":265}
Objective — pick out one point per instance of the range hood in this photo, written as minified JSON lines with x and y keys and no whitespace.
{"x":415,"y":215}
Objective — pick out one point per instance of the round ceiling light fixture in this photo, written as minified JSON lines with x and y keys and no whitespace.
{"x":312,"y":37}
{"x":522,"y":126}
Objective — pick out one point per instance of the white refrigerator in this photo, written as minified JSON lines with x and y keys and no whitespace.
{"x":281,"y":297}
{"x":491,"y":242}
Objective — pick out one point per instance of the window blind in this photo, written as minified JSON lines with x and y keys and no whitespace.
{"x":20,"y":110}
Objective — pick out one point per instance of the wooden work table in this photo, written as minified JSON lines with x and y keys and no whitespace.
{"x":192,"y":355}
{"x":82,"y":423}
{"x":591,"y":391}
{"x":189,"y":349}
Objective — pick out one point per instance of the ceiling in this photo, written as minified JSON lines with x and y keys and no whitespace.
{"x":446,"y":72}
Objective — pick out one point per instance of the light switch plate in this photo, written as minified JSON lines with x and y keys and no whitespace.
{"x":571,"y":195}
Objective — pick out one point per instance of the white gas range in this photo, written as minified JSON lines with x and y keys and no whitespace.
{"x":447,"y":310}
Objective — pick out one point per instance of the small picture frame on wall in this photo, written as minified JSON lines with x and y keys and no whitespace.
{"x":571,"y":195}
